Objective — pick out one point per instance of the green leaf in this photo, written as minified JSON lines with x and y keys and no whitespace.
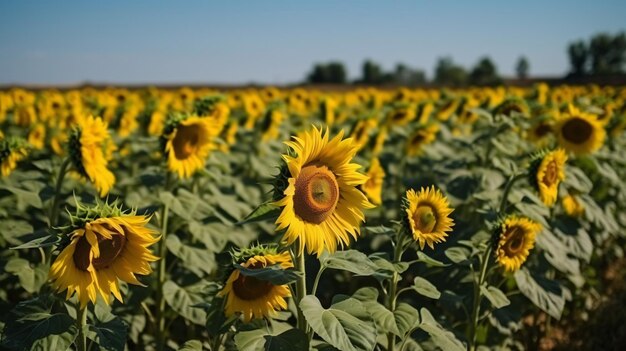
{"x":384,"y":319}
{"x":263,"y":212}
{"x":25,"y":198}
{"x":379,"y":230}
{"x":44,"y":241}
{"x":110,"y":331}
{"x":191,"y":345}
{"x":273,"y":274}
{"x":406,"y":317}
{"x":290,"y":340}
{"x":425,"y":288}
{"x":441,"y":337}
{"x":545,"y":294}
{"x":253,"y":340}
{"x":31,"y":278}
{"x":196,"y":259}
{"x":457,"y":255}
{"x":495,"y":296}
{"x":32,"y":326}
{"x":422,"y":257}
{"x":350,"y":260}
{"x":182,"y":300}
{"x":345,"y":325}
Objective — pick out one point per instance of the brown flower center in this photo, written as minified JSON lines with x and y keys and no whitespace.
{"x":110,"y":249}
{"x":550,"y":177}
{"x":425,"y":218}
{"x":515,"y":241}
{"x":316,"y":194}
{"x":577,"y":130}
{"x":542,"y":130}
{"x":186,"y":141}
{"x":251,"y":288}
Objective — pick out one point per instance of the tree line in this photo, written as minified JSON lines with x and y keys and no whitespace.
{"x":603,"y":54}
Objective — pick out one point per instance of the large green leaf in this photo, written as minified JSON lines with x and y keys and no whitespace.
{"x":290,"y":340}
{"x":422,"y":257}
{"x":108,"y":330}
{"x":545,"y":294}
{"x":495,"y":296}
{"x":350,"y":260}
{"x":264,"y":212}
{"x":191,"y":345}
{"x":346,"y":325}
{"x":426,"y":288}
{"x":196,"y":259}
{"x":273,"y":274}
{"x":406,"y":317}
{"x":254,"y":340}
{"x":32,"y":277}
{"x":183,"y":300}
{"x":383,"y":317}
{"x":442,"y":337}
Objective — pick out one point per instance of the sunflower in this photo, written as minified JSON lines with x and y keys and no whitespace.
{"x":572,"y":206}
{"x":422,"y":137}
{"x":579,"y":132}
{"x":361,"y":131}
{"x":252,"y":297}
{"x":374,"y":186}
{"x":401,"y":115}
{"x":37,"y":136}
{"x":12,"y":150}
{"x":188,"y":140}
{"x":540,"y":131}
{"x":547,"y":173}
{"x":428,"y":216}
{"x":270,"y":124}
{"x":101,"y":252}
{"x":515,"y":238}
{"x":327,"y":111}
{"x":322,"y":206}
{"x":91,"y":149}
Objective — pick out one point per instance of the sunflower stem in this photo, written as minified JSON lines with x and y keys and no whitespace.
{"x":81,"y":322}
{"x":161,"y":274}
{"x":473,"y":324}
{"x":393,"y":289}
{"x":54,"y":210}
{"x":505,"y":196}
{"x":301,"y":288}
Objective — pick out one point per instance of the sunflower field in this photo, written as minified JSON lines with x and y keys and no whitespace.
{"x":302,"y":219}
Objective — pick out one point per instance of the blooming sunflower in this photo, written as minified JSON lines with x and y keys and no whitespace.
{"x":12,"y":150}
{"x":401,"y":115}
{"x":374,"y":186}
{"x":252,"y":297}
{"x":37,"y":136}
{"x":572,"y":206}
{"x":422,"y":137}
{"x":270,"y":124}
{"x":579,"y":132}
{"x":428,"y":216}
{"x":515,"y":238}
{"x":103,"y":249}
{"x":322,"y":205}
{"x":187,"y":141}
{"x":547,"y":173}
{"x":91,"y":149}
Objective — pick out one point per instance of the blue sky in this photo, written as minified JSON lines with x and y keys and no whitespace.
{"x":64,"y":42}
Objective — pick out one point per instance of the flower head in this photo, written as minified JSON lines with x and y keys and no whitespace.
{"x":515,"y":237}
{"x":427,"y":216}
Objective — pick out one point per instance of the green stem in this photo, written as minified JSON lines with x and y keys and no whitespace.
{"x":54,"y":210}
{"x":81,"y":322}
{"x":473,"y":325}
{"x":393,"y":287}
{"x":509,"y":185}
{"x":300,"y":288}
{"x":317,"y":279}
{"x":161,"y":274}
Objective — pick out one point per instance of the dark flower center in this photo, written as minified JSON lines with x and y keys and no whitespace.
{"x":110,"y":249}
{"x":577,"y":130}
{"x":186,"y":141}
{"x":316,"y":194}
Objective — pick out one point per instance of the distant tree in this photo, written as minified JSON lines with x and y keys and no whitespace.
{"x":329,"y":73}
{"x":578,"y":58}
{"x":607,"y":53}
{"x":448,"y":73}
{"x":522,"y":68}
{"x":405,"y":75}
{"x":484,"y":73}
{"x":371,"y":73}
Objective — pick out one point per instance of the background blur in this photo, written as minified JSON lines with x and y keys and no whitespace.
{"x":279,"y":42}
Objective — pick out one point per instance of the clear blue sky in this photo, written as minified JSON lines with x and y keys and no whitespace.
{"x":137,"y":41}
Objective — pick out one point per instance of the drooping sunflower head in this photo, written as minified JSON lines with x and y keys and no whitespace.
{"x":546,"y":172}
{"x":373,"y":188}
{"x":37,"y":136}
{"x":401,"y":114}
{"x":90,"y":149}
{"x":572,"y":206}
{"x":105,"y":246}
{"x":513,"y":105}
{"x":580,"y":132}
{"x":250,"y":296}
{"x":271,"y":121}
{"x":187,"y":141}
{"x":12,"y":150}
{"x":514,"y":238}
{"x":321,"y":204}
{"x":540,"y":130}
{"x":427,"y":216}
